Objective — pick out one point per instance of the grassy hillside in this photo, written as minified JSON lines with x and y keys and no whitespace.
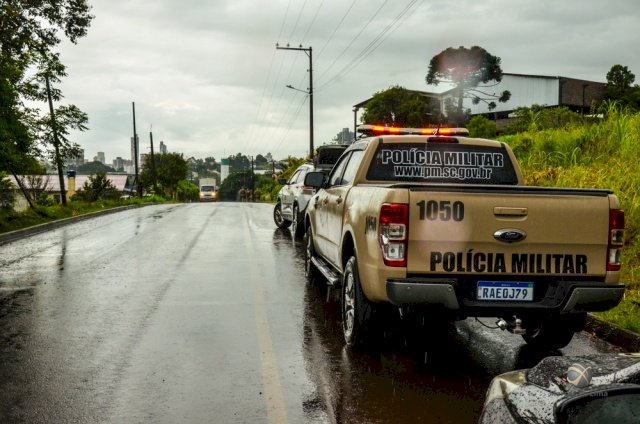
{"x":604,"y":153}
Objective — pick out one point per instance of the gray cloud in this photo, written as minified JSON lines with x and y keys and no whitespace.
{"x":207,"y":77}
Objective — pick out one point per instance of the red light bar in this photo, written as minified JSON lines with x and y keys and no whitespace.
{"x":381,"y":130}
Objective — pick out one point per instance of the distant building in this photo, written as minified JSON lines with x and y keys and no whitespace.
{"x":99,"y":158}
{"x":119,"y":164}
{"x":344,"y":137}
{"x":526,"y":91}
{"x":163,"y":148}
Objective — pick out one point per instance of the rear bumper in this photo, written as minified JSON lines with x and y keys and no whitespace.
{"x":561,"y":297}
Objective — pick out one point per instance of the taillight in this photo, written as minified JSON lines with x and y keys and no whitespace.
{"x":393,"y":233}
{"x":616,"y":239}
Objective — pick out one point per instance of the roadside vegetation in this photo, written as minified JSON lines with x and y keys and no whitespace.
{"x":12,"y":220}
{"x":559,"y":148}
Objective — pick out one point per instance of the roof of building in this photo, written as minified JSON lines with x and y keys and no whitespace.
{"x":53,"y":182}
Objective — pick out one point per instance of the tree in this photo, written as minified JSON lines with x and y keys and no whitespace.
{"x":261,"y":160}
{"x":171,"y":168}
{"x":239,"y":162}
{"x":97,"y":187}
{"x":232,"y":185}
{"x":29,"y":32}
{"x":93,"y":168}
{"x":53,"y":129}
{"x":467,"y":69}
{"x":398,"y":107}
{"x":7,"y":193}
{"x":620,"y":87}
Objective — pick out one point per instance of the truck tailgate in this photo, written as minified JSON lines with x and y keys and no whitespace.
{"x":508,"y":231}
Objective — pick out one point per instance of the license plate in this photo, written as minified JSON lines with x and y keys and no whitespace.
{"x":508,"y":291}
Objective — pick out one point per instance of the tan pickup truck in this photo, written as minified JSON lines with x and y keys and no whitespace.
{"x":433,"y":224}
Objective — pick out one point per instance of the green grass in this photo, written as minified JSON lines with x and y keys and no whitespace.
{"x":605,"y":154}
{"x":11,"y":220}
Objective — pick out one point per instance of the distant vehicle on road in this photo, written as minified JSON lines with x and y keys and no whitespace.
{"x":568,"y":390}
{"x":294,"y":195}
{"x":207,"y":190}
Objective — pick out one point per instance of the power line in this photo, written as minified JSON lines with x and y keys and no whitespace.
{"x":371,"y":47}
{"x":336,"y":29}
{"x":295,"y":26}
{"x":353,"y":40}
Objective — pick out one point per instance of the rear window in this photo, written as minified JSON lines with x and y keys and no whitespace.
{"x":442,"y":163}
{"x":328,"y":156}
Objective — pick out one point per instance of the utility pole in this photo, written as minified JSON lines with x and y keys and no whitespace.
{"x":309,"y":52}
{"x":135,"y":151}
{"x":153,"y":166}
{"x":253,"y":188}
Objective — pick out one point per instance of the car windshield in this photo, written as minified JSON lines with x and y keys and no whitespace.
{"x":206,"y":188}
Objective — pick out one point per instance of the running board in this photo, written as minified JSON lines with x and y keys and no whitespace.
{"x":333,"y":278}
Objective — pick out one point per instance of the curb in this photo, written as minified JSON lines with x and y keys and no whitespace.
{"x":604,"y":330}
{"x":37,"y":229}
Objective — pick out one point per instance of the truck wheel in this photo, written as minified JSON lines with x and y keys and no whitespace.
{"x":310,"y":270}
{"x":554,"y":333}
{"x":278,"y":219}
{"x":358,"y":312}
{"x":296,"y":228}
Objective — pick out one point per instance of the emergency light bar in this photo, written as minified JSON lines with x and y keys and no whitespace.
{"x":383,"y":130}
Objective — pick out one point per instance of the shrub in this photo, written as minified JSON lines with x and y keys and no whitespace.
{"x":7,"y":193}
{"x":97,"y":187}
{"x":481,"y":127}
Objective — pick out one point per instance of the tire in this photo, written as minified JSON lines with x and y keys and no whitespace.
{"x":296,"y":228}
{"x":278,"y":219}
{"x":554,"y":333}
{"x":358,"y":313}
{"x":310,"y":271}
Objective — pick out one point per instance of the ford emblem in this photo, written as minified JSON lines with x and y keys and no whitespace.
{"x":509,"y":235}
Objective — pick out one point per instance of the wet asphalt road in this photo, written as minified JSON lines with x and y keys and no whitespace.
{"x":200,"y":313}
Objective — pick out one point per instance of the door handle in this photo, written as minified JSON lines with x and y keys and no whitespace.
{"x":510,"y":212}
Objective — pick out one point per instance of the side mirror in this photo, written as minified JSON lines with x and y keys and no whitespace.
{"x":282,"y":181}
{"x":314,"y":179}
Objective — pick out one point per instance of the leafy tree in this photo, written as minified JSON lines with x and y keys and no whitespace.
{"x":97,"y":187}
{"x":29,"y":33}
{"x":18,"y":149}
{"x":54,"y":128}
{"x":398,"y":107}
{"x":7,"y":193}
{"x":35,"y":185}
{"x":620,"y":87}
{"x":239,"y":162}
{"x":93,"y":168}
{"x":482,"y":127}
{"x":261,"y":160}
{"x":187,"y":191}
{"x":235,"y":182}
{"x":467,"y":69}
{"x":171,"y":168}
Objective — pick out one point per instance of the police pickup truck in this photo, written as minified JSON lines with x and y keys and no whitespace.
{"x":432,"y":224}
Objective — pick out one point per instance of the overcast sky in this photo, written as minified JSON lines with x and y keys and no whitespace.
{"x":205,"y":75}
